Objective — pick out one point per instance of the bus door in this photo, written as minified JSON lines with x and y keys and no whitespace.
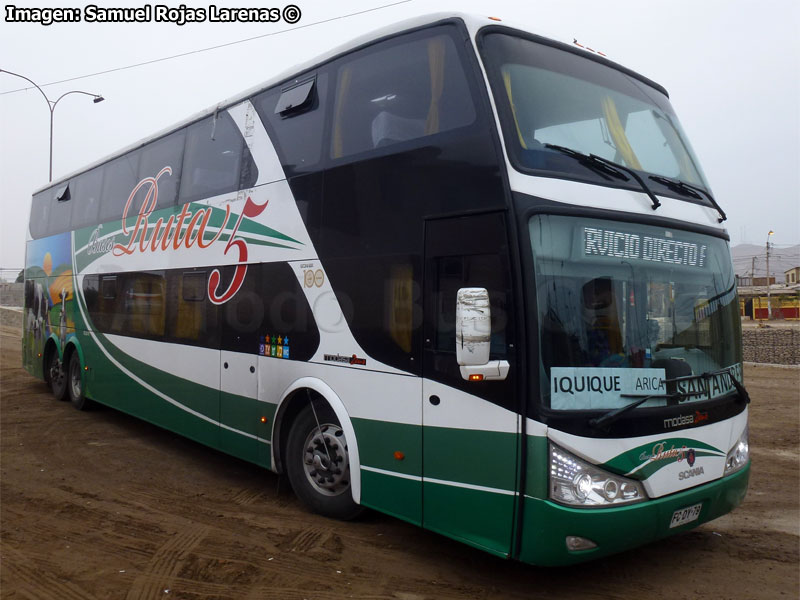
{"x":469,"y":427}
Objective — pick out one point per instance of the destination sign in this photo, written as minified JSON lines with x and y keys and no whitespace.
{"x":633,"y":246}
{"x":584,"y":388}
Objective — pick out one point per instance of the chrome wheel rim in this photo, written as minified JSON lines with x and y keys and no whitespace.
{"x":325,"y":460}
{"x":75,"y":379}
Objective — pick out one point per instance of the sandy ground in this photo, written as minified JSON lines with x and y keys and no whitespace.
{"x":101,"y":505}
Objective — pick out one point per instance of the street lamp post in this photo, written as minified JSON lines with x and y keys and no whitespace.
{"x":52,"y":107}
{"x":769,"y":299}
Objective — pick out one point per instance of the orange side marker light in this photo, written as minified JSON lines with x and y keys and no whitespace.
{"x":399,"y":455}
{"x":476,"y":377}
{"x":263,"y":419}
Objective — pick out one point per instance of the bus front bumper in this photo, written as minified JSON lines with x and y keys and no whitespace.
{"x":547,"y":524}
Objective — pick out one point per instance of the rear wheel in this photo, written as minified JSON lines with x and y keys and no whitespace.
{"x":56,"y":376}
{"x":318,"y":465}
{"x":77,"y":393}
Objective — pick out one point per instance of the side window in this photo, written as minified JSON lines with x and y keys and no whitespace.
{"x":141,"y":305}
{"x":61,"y":202}
{"x":100,"y":292}
{"x":270,"y":315}
{"x":297,"y":134}
{"x":86,"y":201}
{"x":191,"y":317}
{"x":40,"y":207}
{"x":213,"y":158}
{"x":121,"y":176}
{"x":164,"y":152}
{"x":397,"y":91}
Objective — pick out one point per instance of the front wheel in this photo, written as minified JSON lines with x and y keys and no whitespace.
{"x":56,"y":376}
{"x":77,"y":393}
{"x":318,"y":465}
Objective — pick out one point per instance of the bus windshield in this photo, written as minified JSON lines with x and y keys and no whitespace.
{"x":549,"y":96}
{"x":625,"y":307}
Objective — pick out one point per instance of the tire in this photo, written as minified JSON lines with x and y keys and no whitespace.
{"x":75,"y":384}
{"x":307,"y":463}
{"x":56,"y":376}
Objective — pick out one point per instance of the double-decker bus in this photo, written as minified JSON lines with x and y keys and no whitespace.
{"x":451,"y":271}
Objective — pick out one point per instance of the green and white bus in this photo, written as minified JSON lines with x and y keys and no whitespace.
{"x":451,"y":271}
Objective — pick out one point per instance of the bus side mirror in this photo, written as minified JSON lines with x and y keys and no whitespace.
{"x":473,"y":326}
{"x":473,"y":337}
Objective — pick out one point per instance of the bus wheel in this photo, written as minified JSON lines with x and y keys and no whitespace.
{"x":77,"y":393}
{"x":318,"y":465}
{"x":57,"y":376}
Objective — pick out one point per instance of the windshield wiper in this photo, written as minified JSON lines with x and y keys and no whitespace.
{"x":740,"y":389}
{"x":687,"y":189}
{"x":605,"y":420}
{"x":606,"y":167}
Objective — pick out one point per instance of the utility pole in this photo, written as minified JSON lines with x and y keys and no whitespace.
{"x":769,"y":299}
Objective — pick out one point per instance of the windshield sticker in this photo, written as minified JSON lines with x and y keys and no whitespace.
{"x":713,"y":386}
{"x":596,"y":387}
{"x":620,"y":244}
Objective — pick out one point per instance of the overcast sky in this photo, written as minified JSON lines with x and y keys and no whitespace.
{"x":732,"y":69}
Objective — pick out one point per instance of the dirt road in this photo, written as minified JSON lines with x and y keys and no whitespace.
{"x":101,"y":505}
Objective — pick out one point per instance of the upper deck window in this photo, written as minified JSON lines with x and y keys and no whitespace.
{"x":547,"y":95}
{"x":87,"y":198}
{"x":215,"y":151}
{"x":396,"y":91}
{"x":60,"y":210}
{"x":157,"y":156}
{"x":120,"y":177}
{"x":296,"y":130}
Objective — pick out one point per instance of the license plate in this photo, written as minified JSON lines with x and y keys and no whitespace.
{"x":685,"y":515}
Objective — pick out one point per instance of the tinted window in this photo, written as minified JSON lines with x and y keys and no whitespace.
{"x":60,"y":213}
{"x":269,"y":312}
{"x":194,"y":286}
{"x":397,"y":91}
{"x":212,"y":158}
{"x":40,"y":206}
{"x":142,"y":302}
{"x":86,"y":198}
{"x":132,"y":304}
{"x":191,"y":317}
{"x":269,"y":315}
{"x":297,"y":135}
{"x":164,"y":152}
{"x":100,"y":292}
{"x":121,"y":176}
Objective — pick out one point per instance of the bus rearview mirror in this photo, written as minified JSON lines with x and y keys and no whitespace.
{"x":473,"y":326}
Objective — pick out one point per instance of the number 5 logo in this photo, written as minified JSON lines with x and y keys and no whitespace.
{"x":251,"y":211}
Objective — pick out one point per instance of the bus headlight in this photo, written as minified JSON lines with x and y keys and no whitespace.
{"x":576,"y":482}
{"x":739,"y":454}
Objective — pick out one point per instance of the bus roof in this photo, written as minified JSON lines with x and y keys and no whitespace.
{"x":473,"y":23}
